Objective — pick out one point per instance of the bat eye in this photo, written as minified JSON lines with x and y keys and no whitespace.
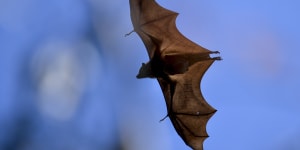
{"x":143,"y":64}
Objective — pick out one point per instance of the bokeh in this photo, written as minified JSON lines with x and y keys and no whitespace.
{"x":67,"y":78}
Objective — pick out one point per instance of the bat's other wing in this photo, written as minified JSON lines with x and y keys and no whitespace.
{"x":187,"y":109}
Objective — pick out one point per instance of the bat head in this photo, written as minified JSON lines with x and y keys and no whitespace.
{"x":145,"y":71}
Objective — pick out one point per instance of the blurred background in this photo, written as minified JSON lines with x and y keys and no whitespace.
{"x":67,"y":78}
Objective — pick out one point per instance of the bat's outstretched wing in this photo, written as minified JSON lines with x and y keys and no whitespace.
{"x":157,"y":29}
{"x":187,"y":109}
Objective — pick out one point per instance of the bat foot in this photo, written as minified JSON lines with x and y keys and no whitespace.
{"x":164,"y":118}
{"x":215,"y":58}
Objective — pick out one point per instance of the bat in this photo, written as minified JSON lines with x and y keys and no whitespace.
{"x":179,"y":65}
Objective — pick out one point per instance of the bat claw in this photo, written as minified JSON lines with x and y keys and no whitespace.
{"x":216,"y":58}
{"x":129,"y":33}
{"x":164,"y":118}
{"x":215,"y":52}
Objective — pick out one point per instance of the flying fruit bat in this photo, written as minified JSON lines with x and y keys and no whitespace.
{"x":179,"y":65}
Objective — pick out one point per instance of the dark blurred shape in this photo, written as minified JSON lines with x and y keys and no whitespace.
{"x":54,"y":96}
{"x":55,"y":106}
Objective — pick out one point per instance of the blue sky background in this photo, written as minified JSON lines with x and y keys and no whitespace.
{"x":68,"y":76}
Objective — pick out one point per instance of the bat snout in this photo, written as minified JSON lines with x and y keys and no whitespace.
{"x":139,"y":76}
{"x":142,"y":75}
